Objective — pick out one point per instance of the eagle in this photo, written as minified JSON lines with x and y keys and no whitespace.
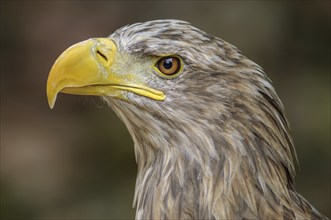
{"x":211,"y":139}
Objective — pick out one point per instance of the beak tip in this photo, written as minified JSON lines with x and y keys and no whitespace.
{"x":51,"y":98}
{"x":51,"y":104}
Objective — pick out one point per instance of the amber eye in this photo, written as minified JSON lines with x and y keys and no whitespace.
{"x":169,"y":65}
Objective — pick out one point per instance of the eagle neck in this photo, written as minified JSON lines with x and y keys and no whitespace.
{"x":175,"y":169}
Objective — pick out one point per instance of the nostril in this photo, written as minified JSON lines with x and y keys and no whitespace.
{"x":102,"y":55}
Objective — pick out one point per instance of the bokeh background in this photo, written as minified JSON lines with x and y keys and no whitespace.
{"x":77,"y":161}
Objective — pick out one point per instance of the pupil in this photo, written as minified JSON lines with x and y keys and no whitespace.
{"x":167,"y":63}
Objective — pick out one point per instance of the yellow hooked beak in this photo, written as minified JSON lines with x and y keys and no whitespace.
{"x":86,"y":69}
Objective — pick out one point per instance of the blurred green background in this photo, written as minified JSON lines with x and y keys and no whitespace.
{"x":77,"y":161}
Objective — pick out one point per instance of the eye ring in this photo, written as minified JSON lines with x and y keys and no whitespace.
{"x":169,"y":65}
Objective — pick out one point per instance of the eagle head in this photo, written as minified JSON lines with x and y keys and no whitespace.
{"x":210,"y":135}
